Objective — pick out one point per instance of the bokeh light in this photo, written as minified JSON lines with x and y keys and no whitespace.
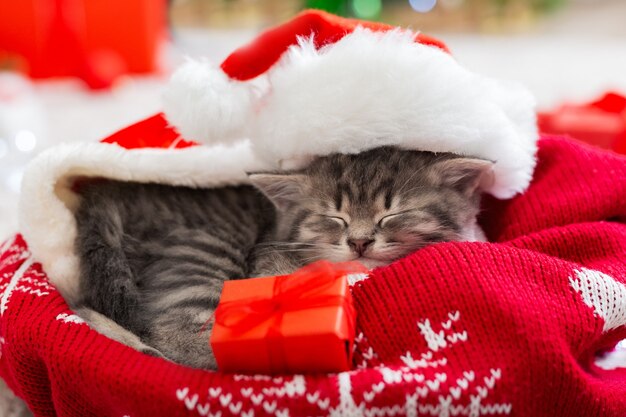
{"x":366,"y":9}
{"x":25,"y":140}
{"x":422,"y":6}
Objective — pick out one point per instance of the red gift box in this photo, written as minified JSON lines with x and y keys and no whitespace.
{"x":282,"y":324}
{"x":97,"y":41}
{"x":601,"y":122}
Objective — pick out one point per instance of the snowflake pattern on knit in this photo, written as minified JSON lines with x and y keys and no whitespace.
{"x":364,"y":355}
{"x":25,"y":279}
{"x":426,"y":382}
{"x":11,"y":253}
{"x":70,"y":318}
{"x":603,"y":294}
{"x":261,"y":395}
{"x":424,"y":379}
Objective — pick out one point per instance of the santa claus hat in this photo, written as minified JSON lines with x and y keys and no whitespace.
{"x":342,"y":85}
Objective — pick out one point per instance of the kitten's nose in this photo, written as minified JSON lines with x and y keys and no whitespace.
{"x":359,"y":245}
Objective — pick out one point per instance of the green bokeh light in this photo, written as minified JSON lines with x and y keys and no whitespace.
{"x":332,"y":6}
{"x":366,"y":9}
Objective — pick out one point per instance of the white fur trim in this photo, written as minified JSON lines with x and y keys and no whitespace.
{"x":371,"y":89}
{"x":203,"y":104}
{"x":47,"y":201}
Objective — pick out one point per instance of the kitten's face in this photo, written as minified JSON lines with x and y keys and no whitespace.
{"x":377,"y":206}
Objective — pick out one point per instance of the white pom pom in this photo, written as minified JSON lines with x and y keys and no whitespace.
{"x":205,"y":105}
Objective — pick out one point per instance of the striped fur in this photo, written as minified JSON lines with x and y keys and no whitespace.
{"x":391,"y":202}
{"x":154,"y":257}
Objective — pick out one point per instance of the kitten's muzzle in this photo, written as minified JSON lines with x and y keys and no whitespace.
{"x":359,"y":245}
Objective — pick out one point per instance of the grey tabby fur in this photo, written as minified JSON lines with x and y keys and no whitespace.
{"x":154,"y":257}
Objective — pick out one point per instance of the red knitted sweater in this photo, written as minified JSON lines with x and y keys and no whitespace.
{"x":510,"y":327}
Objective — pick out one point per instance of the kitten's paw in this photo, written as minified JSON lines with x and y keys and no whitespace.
{"x":151,"y":352}
{"x":112,"y":330}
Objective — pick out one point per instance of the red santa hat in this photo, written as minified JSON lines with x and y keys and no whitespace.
{"x":341,"y":85}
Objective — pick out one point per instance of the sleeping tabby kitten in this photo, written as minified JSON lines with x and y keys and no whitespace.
{"x":376,"y":206}
{"x":154,"y":257}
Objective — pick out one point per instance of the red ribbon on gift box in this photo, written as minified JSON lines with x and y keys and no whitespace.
{"x":302,"y":290}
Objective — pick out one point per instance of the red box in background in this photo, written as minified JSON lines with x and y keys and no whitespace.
{"x":96,"y":41}
{"x":601,"y":122}
{"x":298,"y":323}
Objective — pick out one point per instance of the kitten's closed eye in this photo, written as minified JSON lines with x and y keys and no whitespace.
{"x":377,"y":206}
{"x":385,"y":219}
{"x":339,"y":220}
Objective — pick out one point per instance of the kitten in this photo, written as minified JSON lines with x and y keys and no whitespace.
{"x":154,"y":257}
{"x":377,"y":206}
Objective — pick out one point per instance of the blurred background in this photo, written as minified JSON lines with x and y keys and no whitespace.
{"x":78,"y":70}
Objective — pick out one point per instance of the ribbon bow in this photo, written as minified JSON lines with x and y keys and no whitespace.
{"x":302,"y":290}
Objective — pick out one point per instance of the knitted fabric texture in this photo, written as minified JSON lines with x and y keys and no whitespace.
{"x":510,"y":327}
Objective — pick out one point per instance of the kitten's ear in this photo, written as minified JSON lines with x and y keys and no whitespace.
{"x":281,"y":189}
{"x":464,"y":174}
